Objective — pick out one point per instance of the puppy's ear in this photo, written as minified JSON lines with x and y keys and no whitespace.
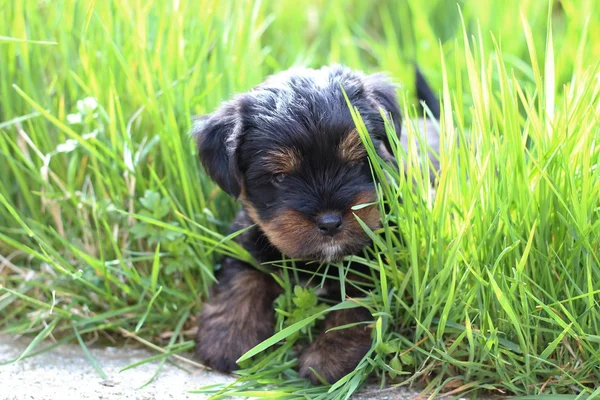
{"x":382,"y":94}
{"x":216,"y":137}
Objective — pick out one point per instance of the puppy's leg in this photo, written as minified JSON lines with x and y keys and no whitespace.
{"x":238,"y":317}
{"x":336,"y":353}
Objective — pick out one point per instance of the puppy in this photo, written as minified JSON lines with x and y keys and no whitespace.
{"x":289,"y":150}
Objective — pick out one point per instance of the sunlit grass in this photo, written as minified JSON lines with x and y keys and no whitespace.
{"x":109,"y":228}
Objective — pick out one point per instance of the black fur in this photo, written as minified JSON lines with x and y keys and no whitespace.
{"x":212,"y":132}
{"x":305,"y":110}
{"x":302,"y":117}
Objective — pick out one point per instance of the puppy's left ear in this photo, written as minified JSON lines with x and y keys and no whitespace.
{"x":382,"y":94}
{"x":216,"y":137}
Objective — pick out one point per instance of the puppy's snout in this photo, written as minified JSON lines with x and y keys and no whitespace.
{"x":330,"y":224}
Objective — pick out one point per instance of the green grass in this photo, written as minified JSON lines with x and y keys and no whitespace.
{"x":108,"y":227}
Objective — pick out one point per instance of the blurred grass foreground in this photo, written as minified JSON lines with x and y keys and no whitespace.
{"x":109,"y":228}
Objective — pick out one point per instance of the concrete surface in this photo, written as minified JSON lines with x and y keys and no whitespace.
{"x":65,"y":373}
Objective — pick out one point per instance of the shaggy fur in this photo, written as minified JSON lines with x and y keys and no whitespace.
{"x":290,"y":151}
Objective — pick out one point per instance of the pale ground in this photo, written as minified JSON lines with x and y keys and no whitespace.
{"x":66,"y":374}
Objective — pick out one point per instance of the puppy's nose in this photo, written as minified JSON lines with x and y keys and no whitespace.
{"x":330,"y":224}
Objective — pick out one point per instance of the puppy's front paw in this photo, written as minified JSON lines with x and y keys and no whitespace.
{"x":336,"y":353}
{"x":332,"y":359}
{"x":222,"y":337}
{"x":238,"y":318}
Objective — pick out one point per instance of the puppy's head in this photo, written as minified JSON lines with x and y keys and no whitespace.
{"x":290,"y":150}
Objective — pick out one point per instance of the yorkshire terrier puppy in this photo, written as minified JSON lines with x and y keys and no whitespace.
{"x":289,"y":150}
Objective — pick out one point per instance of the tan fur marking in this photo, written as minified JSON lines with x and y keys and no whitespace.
{"x":351,"y":147}
{"x":290,"y":231}
{"x":369,"y":214}
{"x":283,"y":161}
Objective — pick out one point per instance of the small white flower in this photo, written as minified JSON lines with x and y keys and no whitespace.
{"x":87,"y":105}
{"x":66,"y":147}
{"x":92,"y":135}
{"x":74,"y":119}
{"x":91,"y":103}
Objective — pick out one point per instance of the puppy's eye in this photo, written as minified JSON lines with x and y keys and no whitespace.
{"x":278,"y":178}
